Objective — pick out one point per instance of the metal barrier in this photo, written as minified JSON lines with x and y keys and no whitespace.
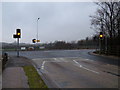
{"x":4,"y":60}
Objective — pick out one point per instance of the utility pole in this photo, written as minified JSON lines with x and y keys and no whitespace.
{"x":37,"y":34}
{"x":36,"y":40}
{"x":37,"y":29}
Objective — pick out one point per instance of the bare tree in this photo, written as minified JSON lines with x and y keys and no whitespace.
{"x":107,"y":20}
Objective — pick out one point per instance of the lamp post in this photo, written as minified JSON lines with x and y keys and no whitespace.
{"x":37,"y":27}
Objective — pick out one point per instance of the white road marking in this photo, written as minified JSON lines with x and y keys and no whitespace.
{"x":36,"y":59}
{"x":59,"y":59}
{"x":42,"y":67}
{"x":46,"y":51}
{"x":62,"y":59}
{"x":43,"y":64}
{"x":85,"y":67}
{"x":88,"y":60}
{"x":56,"y":60}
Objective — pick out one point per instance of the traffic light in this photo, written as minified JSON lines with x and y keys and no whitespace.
{"x":34,"y":40}
{"x":101,"y":35}
{"x":18,"y":33}
{"x":15,"y":36}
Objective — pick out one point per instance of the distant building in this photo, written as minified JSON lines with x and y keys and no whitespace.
{"x":31,"y":48}
{"x":42,"y":47}
{"x":23,"y":48}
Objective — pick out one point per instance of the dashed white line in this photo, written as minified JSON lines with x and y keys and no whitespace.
{"x":85,"y":67}
{"x":59,"y":59}
{"x":37,"y":59}
{"x":55,"y":59}
{"x":62,"y":59}
{"x":88,"y":59}
{"x":42,"y":67}
{"x":46,"y":51}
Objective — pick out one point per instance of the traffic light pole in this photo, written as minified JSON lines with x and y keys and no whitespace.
{"x":100,"y":42}
{"x":17,"y":47}
{"x":106,"y":44}
{"x":17,"y":35}
{"x":99,"y":46}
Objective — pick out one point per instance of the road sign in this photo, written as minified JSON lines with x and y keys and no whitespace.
{"x":38,"y":40}
{"x":34,"y":40}
{"x":15,"y":36}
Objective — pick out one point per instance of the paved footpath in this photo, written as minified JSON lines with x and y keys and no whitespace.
{"x":13,"y":75}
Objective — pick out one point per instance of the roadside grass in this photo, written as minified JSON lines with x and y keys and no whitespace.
{"x":96,"y":52}
{"x":13,"y":49}
{"x":34,"y":79}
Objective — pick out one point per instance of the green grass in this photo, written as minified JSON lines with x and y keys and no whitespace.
{"x":34,"y":79}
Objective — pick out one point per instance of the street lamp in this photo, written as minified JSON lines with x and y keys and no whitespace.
{"x":37,"y":28}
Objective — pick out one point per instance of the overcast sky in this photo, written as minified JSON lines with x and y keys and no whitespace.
{"x":58,"y":20}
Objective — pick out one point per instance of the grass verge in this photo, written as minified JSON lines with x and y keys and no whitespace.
{"x":34,"y":79}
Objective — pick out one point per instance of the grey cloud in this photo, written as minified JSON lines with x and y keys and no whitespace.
{"x":58,"y":21}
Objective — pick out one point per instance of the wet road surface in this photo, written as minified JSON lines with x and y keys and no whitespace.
{"x":74,"y":68}
{"x":84,"y":53}
{"x":78,"y":72}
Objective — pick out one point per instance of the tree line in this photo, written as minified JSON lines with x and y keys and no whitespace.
{"x":87,"y":43}
{"x":107,"y":21}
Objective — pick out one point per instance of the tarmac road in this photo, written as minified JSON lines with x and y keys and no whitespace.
{"x":78,"y":73}
{"x":75,"y":68}
{"x":66,"y":53}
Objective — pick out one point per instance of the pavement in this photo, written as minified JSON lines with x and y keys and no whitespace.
{"x":103,"y":55}
{"x":13,"y":75}
{"x":0,"y":72}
